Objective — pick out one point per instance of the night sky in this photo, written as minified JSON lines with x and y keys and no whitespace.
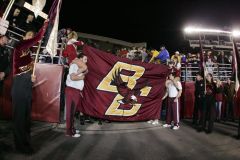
{"x":155,"y":22}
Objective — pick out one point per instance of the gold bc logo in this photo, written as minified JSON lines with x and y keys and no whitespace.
{"x":111,"y":84}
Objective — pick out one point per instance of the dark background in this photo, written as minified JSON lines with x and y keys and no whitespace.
{"x":155,"y":22}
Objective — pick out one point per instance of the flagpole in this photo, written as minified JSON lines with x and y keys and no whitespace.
{"x":203,"y":63}
{"x":5,"y":14}
{"x":36,"y":58}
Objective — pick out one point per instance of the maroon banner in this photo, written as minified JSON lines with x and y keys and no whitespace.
{"x":46,"y":94}
{"x":120,"y":89}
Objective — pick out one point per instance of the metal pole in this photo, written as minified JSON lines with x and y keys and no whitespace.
{"x":60,"y":55}
{"x":36,"y":58}
{"x":9,"y":7}
{"x":203,"y":63}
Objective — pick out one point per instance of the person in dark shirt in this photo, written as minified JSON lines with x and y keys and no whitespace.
{"x":210,"y":103}
{"x":222,"y":58}
{"x":4,"y":65}
{"x":28,"y":24}
{"x":199,"y":101}
{"x":4,"y":60}
{"x":229,"y":94}
{"x":14,"y":19}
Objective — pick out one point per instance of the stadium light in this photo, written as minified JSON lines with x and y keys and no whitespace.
{"x":190,"y":30}
{"x":236,"y":33}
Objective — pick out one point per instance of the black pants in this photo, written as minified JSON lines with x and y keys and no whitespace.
{"x":199,"y":109}
{"x":229,"y":114}
{"x":22,"y":100}
{"x":1,"y":94}
{"x":209,"y":113}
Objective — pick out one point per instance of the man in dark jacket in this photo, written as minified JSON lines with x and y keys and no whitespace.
{"x":199,"y":101}
{"x":229,"y":93}
{"x":4,"y":64}
{"x":4,"y":60}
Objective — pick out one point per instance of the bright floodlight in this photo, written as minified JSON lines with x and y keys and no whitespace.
{"x":236,"y":33}
{"x":201,"y":30}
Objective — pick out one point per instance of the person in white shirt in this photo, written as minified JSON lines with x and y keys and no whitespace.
{"x":174,"y":91}
{"x":75,"y":83}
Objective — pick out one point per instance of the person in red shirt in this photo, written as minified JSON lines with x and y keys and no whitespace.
{"x":70,"y":52}
{"x":22,"y":89}
{"x":172,"y":69}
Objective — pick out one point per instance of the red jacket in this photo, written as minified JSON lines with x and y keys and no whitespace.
{"x":70,"y":52}
{"x":22,"y":60}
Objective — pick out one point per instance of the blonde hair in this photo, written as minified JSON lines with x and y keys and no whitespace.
{"x":73,"y":35}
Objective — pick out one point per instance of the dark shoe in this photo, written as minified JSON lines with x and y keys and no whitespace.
{"x":82,"y":120}
{"x":25,"y":150}
{"x":208,"y":131}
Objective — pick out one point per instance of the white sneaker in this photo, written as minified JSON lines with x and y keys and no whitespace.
{"x":150,"y":121}
{"x":77,"y":131}
{"x":166,"y":125}
{"x":76,"y":135}
{"x":176,"y":127}
{"x":155,"y":122}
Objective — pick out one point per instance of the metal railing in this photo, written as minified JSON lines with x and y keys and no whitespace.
{"x":218,"y":70}
{"x":16,"y":37}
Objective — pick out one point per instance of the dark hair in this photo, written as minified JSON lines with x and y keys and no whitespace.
{"x":173,"y":74}
{"x":199,"y":74}
{"x":210,"y":74}
{"x":162,"y":46}
{"x":81,"y":55}
{"x":31,"y":14}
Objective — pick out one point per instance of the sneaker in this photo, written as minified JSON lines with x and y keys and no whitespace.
{"x":175,"y":127}
{"x":166,"y":125}
{"x":77,"y":131}
{"x":155,"y":122}
{"x":150,"y":121}
{"x":76,"y":135}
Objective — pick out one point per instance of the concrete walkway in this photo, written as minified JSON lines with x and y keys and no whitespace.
{"x":126,"y":141}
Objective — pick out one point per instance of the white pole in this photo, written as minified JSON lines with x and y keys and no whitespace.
{"x":5,"y":14}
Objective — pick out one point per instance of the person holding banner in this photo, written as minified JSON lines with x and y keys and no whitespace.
{"x":23,"y":80}
{"x":75,"y":83}
{"x":174,"y":91}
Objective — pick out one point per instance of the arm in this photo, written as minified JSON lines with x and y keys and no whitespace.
{"x":165,"y":96}
{"x":79,"y":43}
{"x":85,"y":72}
{"x":176,"y":84}
{"x":29,"y":43}
{"x":154,"y":55}
{"x":179,"y":91}
{"x":178,"y":95}
{"x":151,"y":59}
{"x":65,"y":51}
{"x":74,"y":77}
{"x":74,"y":73}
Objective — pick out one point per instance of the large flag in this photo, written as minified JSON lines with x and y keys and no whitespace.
{"x":235,"y":65}
{"x":120,"y":89}
{"x":51,"y":36}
